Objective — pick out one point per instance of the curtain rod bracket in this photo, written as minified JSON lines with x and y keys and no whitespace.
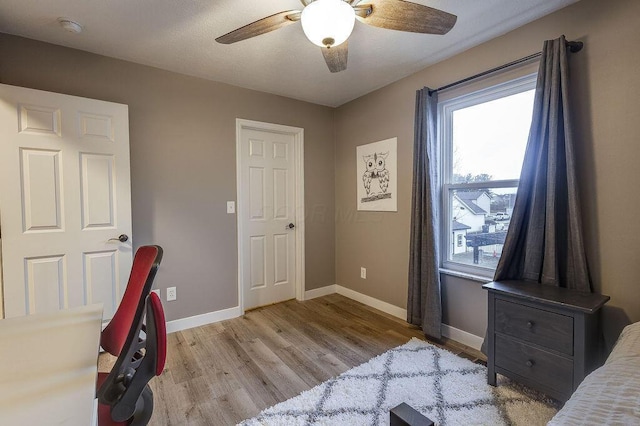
{"x":575,"y":46}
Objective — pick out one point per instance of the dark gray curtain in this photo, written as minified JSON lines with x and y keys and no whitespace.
{"x":424,"y":305}
{"x":544,"y":242}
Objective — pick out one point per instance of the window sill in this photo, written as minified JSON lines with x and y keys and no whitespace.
{"x":472,"y":277}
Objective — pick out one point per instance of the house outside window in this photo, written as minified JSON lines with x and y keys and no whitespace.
{"x":483,"y":135}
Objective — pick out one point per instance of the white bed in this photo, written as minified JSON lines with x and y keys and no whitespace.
{"x":611,"y":394}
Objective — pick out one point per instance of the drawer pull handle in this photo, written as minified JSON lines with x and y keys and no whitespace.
{"x":529,"y":363}
{"x":529,"y":324}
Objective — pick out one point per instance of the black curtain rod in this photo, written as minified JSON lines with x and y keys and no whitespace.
{"x":574,"y":46}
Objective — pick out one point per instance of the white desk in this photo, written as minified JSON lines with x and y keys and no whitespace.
{"x":48,"y":367}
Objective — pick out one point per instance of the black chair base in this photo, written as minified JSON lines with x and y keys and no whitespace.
{"x":144,"y":408}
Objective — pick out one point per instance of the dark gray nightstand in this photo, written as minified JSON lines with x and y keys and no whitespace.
{"x":542,"y":336}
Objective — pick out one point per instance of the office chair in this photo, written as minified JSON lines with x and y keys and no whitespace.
{"x":131,"y":308}
{"x":124,"y":395}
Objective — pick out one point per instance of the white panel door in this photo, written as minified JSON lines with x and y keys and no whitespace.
{"x":64,"y":199}
{"x":268,"y":217}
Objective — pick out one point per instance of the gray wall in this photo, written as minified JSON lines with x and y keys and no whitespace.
{"x":183,"y":162}
{"x":606,"y":91}
{"x":182,"y":133}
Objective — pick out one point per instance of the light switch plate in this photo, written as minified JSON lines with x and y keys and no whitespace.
{"x":231,"y":207}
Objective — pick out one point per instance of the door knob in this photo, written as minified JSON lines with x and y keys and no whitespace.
{"x":290,"y":226}
{"x":122,"y":238}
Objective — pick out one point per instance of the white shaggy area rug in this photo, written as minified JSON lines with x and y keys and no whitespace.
{"x":448,"y":389}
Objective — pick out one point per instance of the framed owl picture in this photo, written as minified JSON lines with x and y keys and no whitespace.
{"x":377,"y":176}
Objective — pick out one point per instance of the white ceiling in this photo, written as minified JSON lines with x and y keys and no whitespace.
{"x":178,"y":35}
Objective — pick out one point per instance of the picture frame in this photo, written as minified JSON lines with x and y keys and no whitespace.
{"x":377,"y":176}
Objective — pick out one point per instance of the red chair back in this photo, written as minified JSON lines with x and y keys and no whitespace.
{"x":158,"y":325}
{"x":131,"y":308}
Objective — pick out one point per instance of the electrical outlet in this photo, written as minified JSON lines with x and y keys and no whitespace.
{"x":363,"y":273}
{"x":231,"y":207}
{"x":156,"y":291}
{"x":171,"y":294}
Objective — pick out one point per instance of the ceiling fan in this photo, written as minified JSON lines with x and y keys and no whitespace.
{"x":328,"y":23}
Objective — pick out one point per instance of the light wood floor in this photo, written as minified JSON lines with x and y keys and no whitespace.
{"x":226,"y":372}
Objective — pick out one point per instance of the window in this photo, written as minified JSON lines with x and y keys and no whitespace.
{"x":484,"y":137}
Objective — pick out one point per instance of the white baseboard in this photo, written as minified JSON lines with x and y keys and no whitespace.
{"x":373,"y":302}
{"x":225,"y":314}
{"x":319,"y":292}
{"x":203,"y":319}
{"x":462,"y":336}
{"x":448,"y":331}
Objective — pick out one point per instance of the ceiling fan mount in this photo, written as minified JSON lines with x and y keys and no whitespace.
{"x":328,"y":23}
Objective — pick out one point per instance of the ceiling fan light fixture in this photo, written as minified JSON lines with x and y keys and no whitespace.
{"x":328,"y":23}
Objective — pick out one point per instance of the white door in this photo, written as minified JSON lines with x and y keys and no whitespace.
{"x":64,"y":196}
{"x":267,"y":215}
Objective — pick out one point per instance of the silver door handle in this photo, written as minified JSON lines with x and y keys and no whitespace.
{"x":123,"y":238}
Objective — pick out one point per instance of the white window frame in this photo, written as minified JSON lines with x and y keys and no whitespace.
{"x":445,"y":133}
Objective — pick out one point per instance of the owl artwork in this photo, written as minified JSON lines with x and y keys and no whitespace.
{"x":376,"y":173}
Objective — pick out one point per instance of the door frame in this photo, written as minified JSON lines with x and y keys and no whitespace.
{"x":298,"y":138}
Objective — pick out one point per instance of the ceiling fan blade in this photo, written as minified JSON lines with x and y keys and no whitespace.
{"x":261,"y":26}
{"x":336,"y":57}
{"x":406,"y":16}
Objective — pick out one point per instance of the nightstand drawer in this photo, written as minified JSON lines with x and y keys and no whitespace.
{"x":550,"y":370}
{"x":544,"y":328}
